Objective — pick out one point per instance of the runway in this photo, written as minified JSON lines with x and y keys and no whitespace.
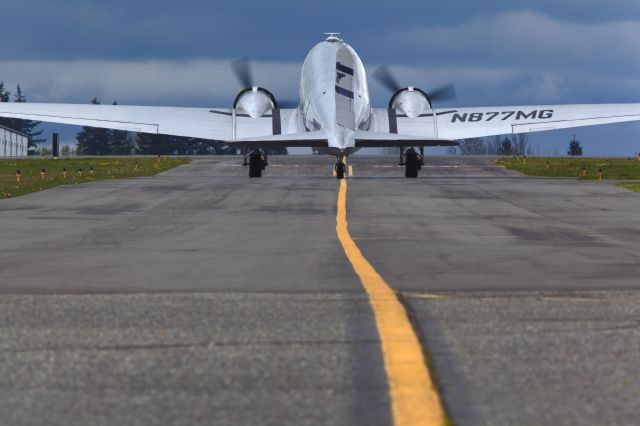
{"x":200,"y":296}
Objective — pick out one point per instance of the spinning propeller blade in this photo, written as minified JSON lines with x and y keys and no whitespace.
{"x":242,"y":70}
{"x":385,"y":77}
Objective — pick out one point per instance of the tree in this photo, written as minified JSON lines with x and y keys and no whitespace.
{"x":575,"y":147}
{"x":5,"y":95}
{"x":151,"y":144}
{"x":66,"y":151}
{"x":493,"y":145}
{"x":94,"y":141}
{"x":506,"y":147}
{"x":472,"y":146}
{"x":520,"y":144}
{"x":27,"y":127}
{"x":121,"y":142}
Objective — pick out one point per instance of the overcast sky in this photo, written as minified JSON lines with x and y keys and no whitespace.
{"x":177,"y":53}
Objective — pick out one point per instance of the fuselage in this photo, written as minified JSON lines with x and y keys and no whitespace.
{"x":334,"y":96}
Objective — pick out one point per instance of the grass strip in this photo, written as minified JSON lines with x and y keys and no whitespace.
{"x":632,"y":186}
{"x":581,"y":168}
{"x":78,"y":170}
{"x":625,"y":169}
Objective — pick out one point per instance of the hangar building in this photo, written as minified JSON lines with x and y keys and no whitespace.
{"x":12,"y":143}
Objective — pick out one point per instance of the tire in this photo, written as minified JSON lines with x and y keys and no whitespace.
{"x":255,"y":166}
{"x":340,"y":170}
{"x":412,"y":165}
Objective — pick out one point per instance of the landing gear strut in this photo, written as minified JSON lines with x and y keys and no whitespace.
{"x":256,"y":159}
{"x":412,"y":161}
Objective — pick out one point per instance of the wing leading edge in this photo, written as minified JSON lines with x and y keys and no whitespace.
{"x":204,"y":123}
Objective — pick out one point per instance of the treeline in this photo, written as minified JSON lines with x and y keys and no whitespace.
{"x":97,"y":141}
{"x":495,"y":145}
{"x":27,"y":127}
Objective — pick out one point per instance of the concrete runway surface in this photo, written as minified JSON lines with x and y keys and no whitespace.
{"x":200,"y":296}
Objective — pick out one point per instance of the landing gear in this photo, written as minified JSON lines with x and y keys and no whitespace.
{"x":257,"y":161}
{"x":340,"y":169}
{"x":411,"y":164}
{"x":412,"y":161}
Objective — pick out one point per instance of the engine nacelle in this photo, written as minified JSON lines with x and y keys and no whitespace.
{"x":255,"y":101}
{"x":410,"y":101}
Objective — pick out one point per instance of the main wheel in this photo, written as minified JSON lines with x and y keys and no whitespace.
{"x":411,"y":164}
{"x":340,"y":168}
{"x":255,"y":165}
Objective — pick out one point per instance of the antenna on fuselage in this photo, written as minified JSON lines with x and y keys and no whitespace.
{"x":332,"y":37}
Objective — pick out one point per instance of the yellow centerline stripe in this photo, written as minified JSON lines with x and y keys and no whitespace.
{"x":414,"y":398}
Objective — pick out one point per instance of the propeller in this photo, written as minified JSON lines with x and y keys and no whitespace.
{"x":385,"y":77}
{"x":443,"y":93}
{"x":242,"y":70}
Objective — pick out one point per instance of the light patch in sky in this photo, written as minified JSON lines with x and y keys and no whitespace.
{"x":160,"y":82}
{"x":546,"y":87}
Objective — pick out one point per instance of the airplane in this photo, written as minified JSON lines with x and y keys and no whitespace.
{"x":334,"y":115}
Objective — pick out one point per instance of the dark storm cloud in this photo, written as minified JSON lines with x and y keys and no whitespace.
{"x":143,"y":29}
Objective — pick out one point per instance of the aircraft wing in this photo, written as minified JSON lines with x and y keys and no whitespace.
{"x":204,"y":123}
{"x":462,"y":123}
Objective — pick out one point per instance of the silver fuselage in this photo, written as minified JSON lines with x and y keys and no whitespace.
{"x":320,"y":100}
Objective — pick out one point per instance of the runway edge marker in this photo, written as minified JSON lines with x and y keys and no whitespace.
{"x":414,"y":397}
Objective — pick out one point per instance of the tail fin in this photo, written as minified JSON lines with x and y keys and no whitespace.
{"x":345,"y":116}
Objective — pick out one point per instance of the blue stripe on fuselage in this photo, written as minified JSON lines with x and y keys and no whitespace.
{"x":344,"y":68}
{"x":344,"y":92}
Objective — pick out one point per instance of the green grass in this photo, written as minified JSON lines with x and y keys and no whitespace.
{"x":633,"y":186}
{"x":581,"y":168}
{"x":31,"y":180}
{"x":626,"y":169}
